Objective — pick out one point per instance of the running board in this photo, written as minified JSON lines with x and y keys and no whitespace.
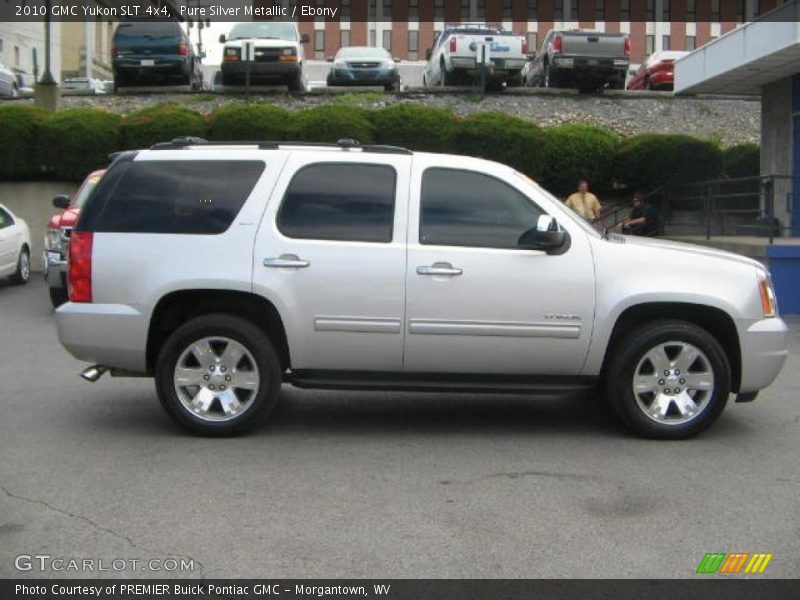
{"x":435,"y":382}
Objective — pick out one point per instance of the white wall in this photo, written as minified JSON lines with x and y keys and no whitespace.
{"x":27,"y":36}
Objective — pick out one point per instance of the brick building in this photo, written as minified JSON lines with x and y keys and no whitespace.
{"x":407,"y":27}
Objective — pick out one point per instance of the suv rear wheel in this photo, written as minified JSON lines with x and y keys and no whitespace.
{"x":217,"y":375}
{"x":669,"y":380}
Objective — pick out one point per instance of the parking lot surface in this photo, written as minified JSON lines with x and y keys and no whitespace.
{"x":379,"y":484}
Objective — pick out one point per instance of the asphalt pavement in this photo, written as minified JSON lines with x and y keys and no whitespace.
{"x":377,"y":484}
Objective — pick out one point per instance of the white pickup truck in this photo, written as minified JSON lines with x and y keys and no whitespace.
{"x":453,"y":59}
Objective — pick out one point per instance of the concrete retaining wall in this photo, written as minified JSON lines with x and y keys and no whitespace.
{"x":33,"y":201}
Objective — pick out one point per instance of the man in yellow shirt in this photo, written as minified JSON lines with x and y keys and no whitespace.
{"x":585,"y":204}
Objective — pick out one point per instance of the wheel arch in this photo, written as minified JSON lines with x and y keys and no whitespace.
{"x":714,"y":320}
{"x":178,"y":307}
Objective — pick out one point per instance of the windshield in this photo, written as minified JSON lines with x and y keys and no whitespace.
{"x":264,"y":31}
{"x":363,"y":52}
{"x":152,"y":30}
{"x":85,"y":191}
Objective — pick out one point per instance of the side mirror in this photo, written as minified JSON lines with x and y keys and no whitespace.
{"x":546,"y":236}
{"x":61,"y":201}
{"x":329,"y":59}
{"x":221,"y":38}
{"x":531,"y":55}
{"x":396,"y":59}
{"x":305,"y":38}
{"x":428,"y":54}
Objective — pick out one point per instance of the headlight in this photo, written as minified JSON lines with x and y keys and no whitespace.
{"x":232,"y":54}
{"x":387,"y":64}
{"x":53,"y":240}
{"x":340,"y":64}
{"x":289,"y":51}
{"x":768,"y":302}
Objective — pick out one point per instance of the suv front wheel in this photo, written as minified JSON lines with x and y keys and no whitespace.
{"x":668,"y":380}
{"x":218,"y":375}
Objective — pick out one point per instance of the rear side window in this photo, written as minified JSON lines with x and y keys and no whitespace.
{"x":192,"y":197}
{"x":340,"y":201}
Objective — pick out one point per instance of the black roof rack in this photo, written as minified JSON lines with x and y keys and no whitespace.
{"x":344,"y":144}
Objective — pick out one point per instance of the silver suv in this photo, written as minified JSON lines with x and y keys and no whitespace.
{"x":226,"y":270}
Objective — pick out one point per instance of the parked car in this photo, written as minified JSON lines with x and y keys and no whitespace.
{"x":9,"y":87}
{"x":374,"y":267}
{"x":656,"y":73}
{"x":84,"y":84}
{"x":453,"y":59}
{"x":587,"y":60}
{"x":56,"y":237}
{"x":15,"y":247}
{"x":364,"y":65}
{"x":154,"y":53}
{"x":278,"y":55}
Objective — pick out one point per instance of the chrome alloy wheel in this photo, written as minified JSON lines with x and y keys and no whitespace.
{"x":216,"y":379}
{"x":673,"y":383}
{"x":24,"y":266}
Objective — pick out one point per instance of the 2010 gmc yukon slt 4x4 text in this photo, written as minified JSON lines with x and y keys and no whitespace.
{"x":226,"y":270}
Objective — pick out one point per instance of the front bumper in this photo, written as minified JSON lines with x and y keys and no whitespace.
{"x":55,"y":269}
{"x":363,"y":77}
{"x":113,"y":335}
{"x":261,"y":71}
{"x":764,"y":350}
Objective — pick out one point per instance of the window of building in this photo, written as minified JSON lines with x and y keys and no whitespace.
{"x":413,"y":9}
{"x":533,"y":10}
{"x":175,"y":196}
{"x":666,"y":14}
{"x":465,"y":10}
{"x":466,"y":208}
{"x":319,"y":43}
{"x":387,"y":40}
{"x":533,"y":41}
{"x":741,"y":9}
{"x":665,"y":42}
{"x":373,"y":37}
{"x":438,"y":9}
{"x":558,"y":10}
{"x":344,"y":38}
{"x":650,"y":10}
{"x":649,"y":44}
{"x":481,"y":12}
{"x":600,"y":10}
{"x":413,"y":45}
{"x":691,"y":42}
{"x":691,"y":10}
{"x":715,"y":10}
{"x":386,"y":13}
{"x":573,"y":10}
{"x":625,"y":10}
{"x":508,"y":9}
{"x":337,"y":201}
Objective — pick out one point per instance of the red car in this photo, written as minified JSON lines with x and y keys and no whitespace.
{"x":657,"y":72}
{"x":57,"y":235}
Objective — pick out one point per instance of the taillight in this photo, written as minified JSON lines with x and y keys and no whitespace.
{"x":79,"y":277}
{"x":183,"y":49}
{"x":628,"y":46}
{"x":557,"y":44}
{"x":453,"y":44}
{"x":525,"y":46}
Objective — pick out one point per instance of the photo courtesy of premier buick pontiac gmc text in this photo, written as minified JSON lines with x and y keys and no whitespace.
{"x":225,"y":270}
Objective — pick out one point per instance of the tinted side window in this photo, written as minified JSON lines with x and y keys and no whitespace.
{"x":336,"y":201}
{"x":465,"y":208}
{"x":176,"y":196}
{"x":5,"y":219}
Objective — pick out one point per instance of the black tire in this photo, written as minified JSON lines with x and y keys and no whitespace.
{"x":631,"y":350}
{"x":446,"y":78}
{"x":549,"y":79}
{"x":226,"y":79}
{"x":515,"y":81}
{"x":392,"y":87}
{"x":234,"y":328}
{"x":23,"y":273}
{"x":296,"y":83}
{"x":58,"y":296}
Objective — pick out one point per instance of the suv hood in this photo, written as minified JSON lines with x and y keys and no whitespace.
{"x":682,"y":247}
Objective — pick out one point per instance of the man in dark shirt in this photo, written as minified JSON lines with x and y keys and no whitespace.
{"x":643,"y":220}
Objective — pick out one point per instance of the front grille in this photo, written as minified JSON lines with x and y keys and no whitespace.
{"x":267,"y":54}
{"x":364,"y":65}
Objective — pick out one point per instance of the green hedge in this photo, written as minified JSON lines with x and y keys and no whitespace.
{"x":650,"y":161}
{"x":19,"y":132}
{"x":249,"y":122}
{"x":160,"y":123}
{"x":575,"y":152}
{"x":415,"y":126}
{"x":503,"y":138}
{"x":75,"y":141}
{"x":743,"y":160}
{"x":330,"y":124}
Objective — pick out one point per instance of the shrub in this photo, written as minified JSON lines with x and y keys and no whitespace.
{"x":19,"y":131}
{"x":160,"y":123}
{"x":743,"y":160}
{"x":330,"y":124}
{"x":74,"y":141}
{"x":575,"y":152}
{"x":504,"y":138}
{"x":650,"y":161}
{"x":415,"y":126}
{"x":249,"y":122}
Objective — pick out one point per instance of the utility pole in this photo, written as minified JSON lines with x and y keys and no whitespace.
{"x":47,"y":92}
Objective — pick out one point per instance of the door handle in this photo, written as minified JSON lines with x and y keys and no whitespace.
{"x":286,"y":261}
{"x":440,"y":268}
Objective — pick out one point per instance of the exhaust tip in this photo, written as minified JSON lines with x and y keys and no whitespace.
{"x":94,"y":373}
